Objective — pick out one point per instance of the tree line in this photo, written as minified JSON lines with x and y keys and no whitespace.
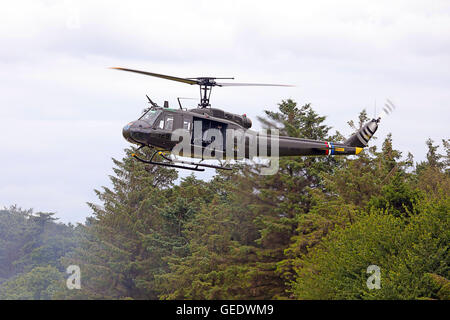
{"x":310,"y":231}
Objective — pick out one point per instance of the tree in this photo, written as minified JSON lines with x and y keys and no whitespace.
{"x":40,"y":283}
{"x":405,"y":250}
{"x":433,"y":176}
{"x":278,"y":201}
{"x":396,"y":198}
{"x":13,"y":222}
{"x":217,"y":261}
{"x":113,"y":255}
{"x":29,"y":240}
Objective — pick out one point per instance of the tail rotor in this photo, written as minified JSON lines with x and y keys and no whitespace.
{"x":361,"y":138}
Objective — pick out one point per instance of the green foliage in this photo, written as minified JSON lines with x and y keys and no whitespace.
{"x":396,"y":198}
{"x":406,"y":250}
{"x":29,"y":240}
{"x":41,"y":283}
{"x":215,"y":267}
{"x":438,"y":285}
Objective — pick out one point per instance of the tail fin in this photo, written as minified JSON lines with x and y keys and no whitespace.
{"x":361,"y":138}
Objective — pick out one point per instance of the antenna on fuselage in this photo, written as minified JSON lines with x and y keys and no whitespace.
{"x":151,"y":102}
{"x":179,"y":102}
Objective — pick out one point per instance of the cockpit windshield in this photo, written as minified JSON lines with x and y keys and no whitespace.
{"x":150,"y":116}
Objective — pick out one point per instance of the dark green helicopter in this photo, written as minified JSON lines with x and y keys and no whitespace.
{"x":211,"y":133}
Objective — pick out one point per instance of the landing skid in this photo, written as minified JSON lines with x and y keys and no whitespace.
{"x":188,"y":165}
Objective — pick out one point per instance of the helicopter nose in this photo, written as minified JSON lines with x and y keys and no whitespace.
{"x":136,"y":132}
{"x":126,"y":132}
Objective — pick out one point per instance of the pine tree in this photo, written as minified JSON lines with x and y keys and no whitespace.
{"x":433,"y":175}
{"x":279,"y":200}
{"x":114,"y":256}
{"x":396,"y":198}
{"x":219,"y":239}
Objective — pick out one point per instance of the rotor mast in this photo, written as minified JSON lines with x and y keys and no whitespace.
{"x":206,"y":84}
{"x":204,"y":96}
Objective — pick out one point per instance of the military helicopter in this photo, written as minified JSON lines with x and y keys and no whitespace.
{"x":161,"y":127}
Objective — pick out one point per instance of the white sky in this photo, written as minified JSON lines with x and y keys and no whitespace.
{"x":62,"y":111}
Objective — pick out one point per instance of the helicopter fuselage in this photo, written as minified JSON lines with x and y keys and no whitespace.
{"x":212,"y":133}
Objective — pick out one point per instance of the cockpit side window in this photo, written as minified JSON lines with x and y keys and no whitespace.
{"x":168,"y":125}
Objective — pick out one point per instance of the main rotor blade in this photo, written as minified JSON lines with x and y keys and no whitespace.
{"x":227,"y":84}
{"x":159,"y":75}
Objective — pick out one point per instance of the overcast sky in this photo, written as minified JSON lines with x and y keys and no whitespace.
{"x":62,"y":111}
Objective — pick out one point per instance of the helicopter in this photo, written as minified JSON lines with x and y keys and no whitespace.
{"x":211,"y":133}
